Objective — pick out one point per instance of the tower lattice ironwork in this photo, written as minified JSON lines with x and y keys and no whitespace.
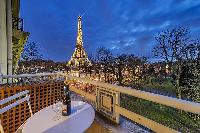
{"x":79,"y":57}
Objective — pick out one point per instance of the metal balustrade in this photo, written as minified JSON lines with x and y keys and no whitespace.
{"x":17,"y":23}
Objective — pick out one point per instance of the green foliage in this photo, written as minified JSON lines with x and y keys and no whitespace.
{"x":162,"y":114}
{"x":190,"y":80}
{"x":104,"y":55}
{"x":165,"y":85}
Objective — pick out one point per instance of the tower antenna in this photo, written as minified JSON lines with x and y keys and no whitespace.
{"x":88,"y":8}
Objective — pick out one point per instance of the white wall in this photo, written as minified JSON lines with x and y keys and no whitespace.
{"x":3,"y":38}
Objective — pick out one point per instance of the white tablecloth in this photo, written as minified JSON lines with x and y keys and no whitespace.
{"x":43,"y":121}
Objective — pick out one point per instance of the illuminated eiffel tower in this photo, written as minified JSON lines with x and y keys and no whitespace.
{"x":79,"y":57}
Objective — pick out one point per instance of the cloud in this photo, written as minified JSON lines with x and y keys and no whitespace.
{"x":127,"y":26}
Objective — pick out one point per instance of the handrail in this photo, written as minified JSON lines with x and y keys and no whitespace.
{"x":29,"y":75}
{"x":156,"y":127}
{"x":6,"y":100}
{"x":4,"y":109}
{"x":23,"y":96}
{"x":164,"y":100}
{"x":84,"y":94}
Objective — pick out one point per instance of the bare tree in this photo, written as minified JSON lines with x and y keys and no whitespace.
{"x":175,"y":46}
{"x":31,"y":52}
{"x":104,"y":58}
{"x":120,"y":63}
{"x":129,"y":61}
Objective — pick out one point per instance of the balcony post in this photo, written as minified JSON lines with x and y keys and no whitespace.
{"x":117,"y":103}
{"x":1,"y":79}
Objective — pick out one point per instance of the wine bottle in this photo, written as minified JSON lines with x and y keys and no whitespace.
{"x":66,"y":111}
{"x":68,"y":100}
{"x":64,"y":107}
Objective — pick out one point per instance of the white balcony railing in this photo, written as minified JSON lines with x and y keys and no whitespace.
{"x":107,"y":99}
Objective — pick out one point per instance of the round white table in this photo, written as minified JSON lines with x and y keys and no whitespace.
{"x":44,"y":121}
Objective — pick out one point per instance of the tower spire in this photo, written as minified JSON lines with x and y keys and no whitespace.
{"x":79,"y":40}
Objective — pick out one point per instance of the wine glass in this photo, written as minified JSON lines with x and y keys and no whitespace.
{"x":57,"y":108}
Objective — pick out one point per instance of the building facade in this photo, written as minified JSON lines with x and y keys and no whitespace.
{"x":12,"y":36}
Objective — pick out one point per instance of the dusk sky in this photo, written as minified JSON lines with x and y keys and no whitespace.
{"x":124,"y":26}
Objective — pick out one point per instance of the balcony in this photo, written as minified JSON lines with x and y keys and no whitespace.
{"x":19,"y":38}
{"x":107,"y":99}
{"x":17,"y":23}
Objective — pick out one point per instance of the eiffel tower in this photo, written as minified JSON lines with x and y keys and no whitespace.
{"x":79,"y":57}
